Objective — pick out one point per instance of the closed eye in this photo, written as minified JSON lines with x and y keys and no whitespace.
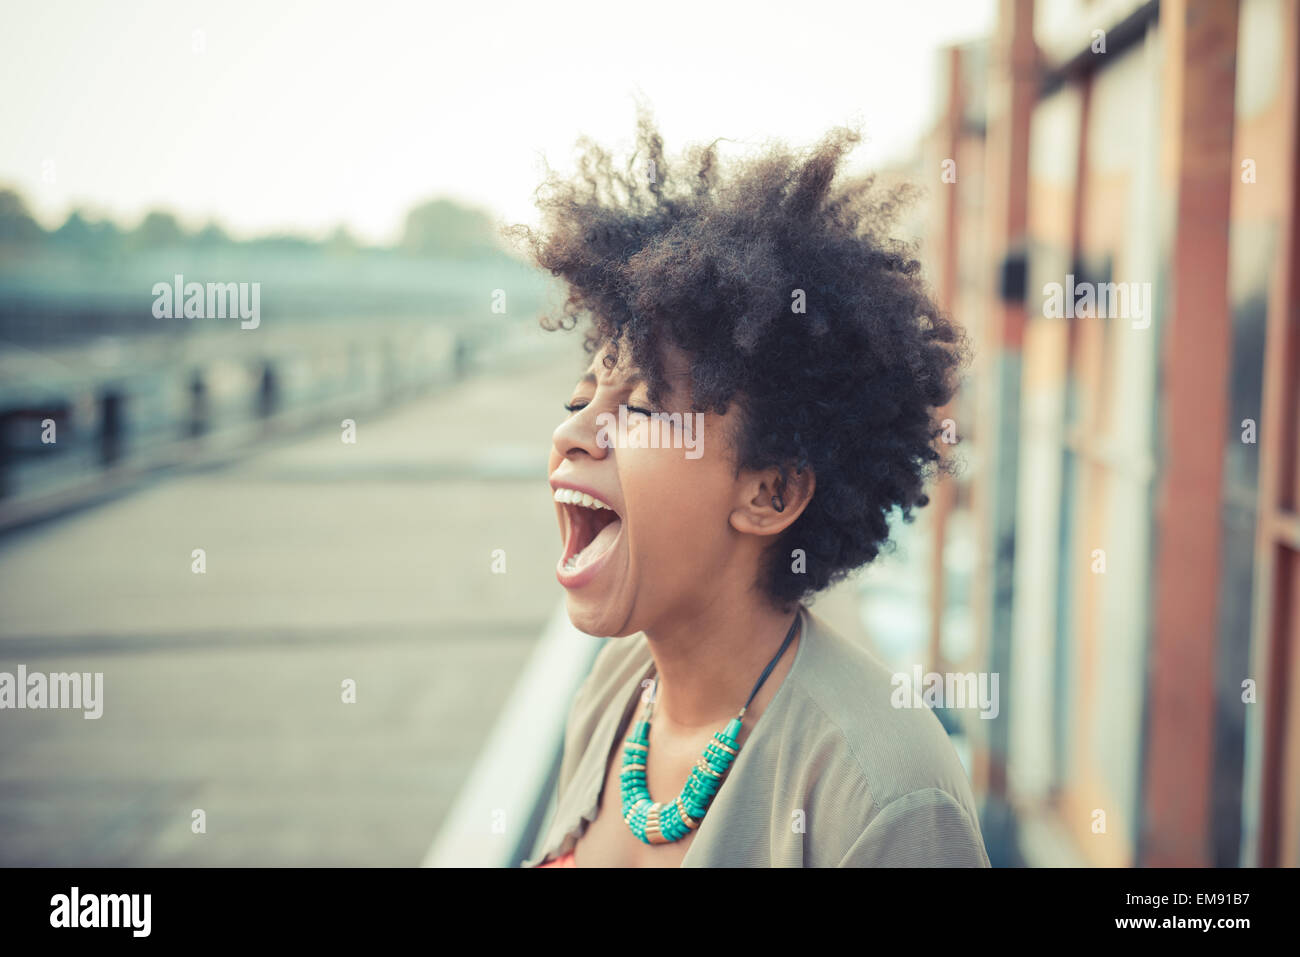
{"x":572,"y":407}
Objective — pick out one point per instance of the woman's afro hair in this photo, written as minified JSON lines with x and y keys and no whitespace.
{"x":791,"y":300}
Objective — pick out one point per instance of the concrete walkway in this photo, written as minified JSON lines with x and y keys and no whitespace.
{"x":223,"y":691}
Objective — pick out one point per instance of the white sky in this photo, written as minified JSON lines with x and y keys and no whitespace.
{"x":301,"y":116}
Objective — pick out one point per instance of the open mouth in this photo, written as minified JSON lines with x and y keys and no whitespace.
{"x":591,"y":527}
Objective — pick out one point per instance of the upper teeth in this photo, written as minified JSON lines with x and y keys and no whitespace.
{"x":571,"y":496}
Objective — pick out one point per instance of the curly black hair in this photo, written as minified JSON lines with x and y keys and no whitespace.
{"x":720,"y":265}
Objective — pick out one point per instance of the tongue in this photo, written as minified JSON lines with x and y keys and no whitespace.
{"x":598,"y":545}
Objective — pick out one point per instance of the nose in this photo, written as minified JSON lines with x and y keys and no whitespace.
{"x":580,"y":432}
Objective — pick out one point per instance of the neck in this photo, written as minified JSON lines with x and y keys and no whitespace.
{"x":708,"y":662}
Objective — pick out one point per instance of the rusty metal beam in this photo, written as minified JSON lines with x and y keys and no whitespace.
{"x":1200,"y":44}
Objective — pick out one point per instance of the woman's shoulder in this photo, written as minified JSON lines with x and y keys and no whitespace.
{"x":899,"y":748}
{"x":896,"y":761}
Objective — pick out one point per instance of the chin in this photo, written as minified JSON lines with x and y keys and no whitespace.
{"x":599,"y":621}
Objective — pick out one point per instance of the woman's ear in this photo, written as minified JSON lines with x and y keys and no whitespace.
{"x":766,"y":504}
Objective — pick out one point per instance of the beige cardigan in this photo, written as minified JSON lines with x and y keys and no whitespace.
{"x":878,"y":786}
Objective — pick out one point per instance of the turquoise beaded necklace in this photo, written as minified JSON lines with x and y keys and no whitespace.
{"x":655,"y":823}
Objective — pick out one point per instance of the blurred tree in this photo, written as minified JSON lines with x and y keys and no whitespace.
{"x":75,"y":230}
{"x":211,"y":235}
{"x":341,"y":241}
{"x":158,"y":228}
{"x":85,"y":236}
{"x":442,"y":227}
{"x":16,"y":222}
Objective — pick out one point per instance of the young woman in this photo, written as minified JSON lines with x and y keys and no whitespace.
{"x":765,"y":371}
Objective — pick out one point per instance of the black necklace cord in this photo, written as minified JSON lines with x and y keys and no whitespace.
{"x":789,"y":637}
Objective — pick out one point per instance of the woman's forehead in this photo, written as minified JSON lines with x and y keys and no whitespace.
{"x":674,"y":364}
{"x":675,"y":381}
